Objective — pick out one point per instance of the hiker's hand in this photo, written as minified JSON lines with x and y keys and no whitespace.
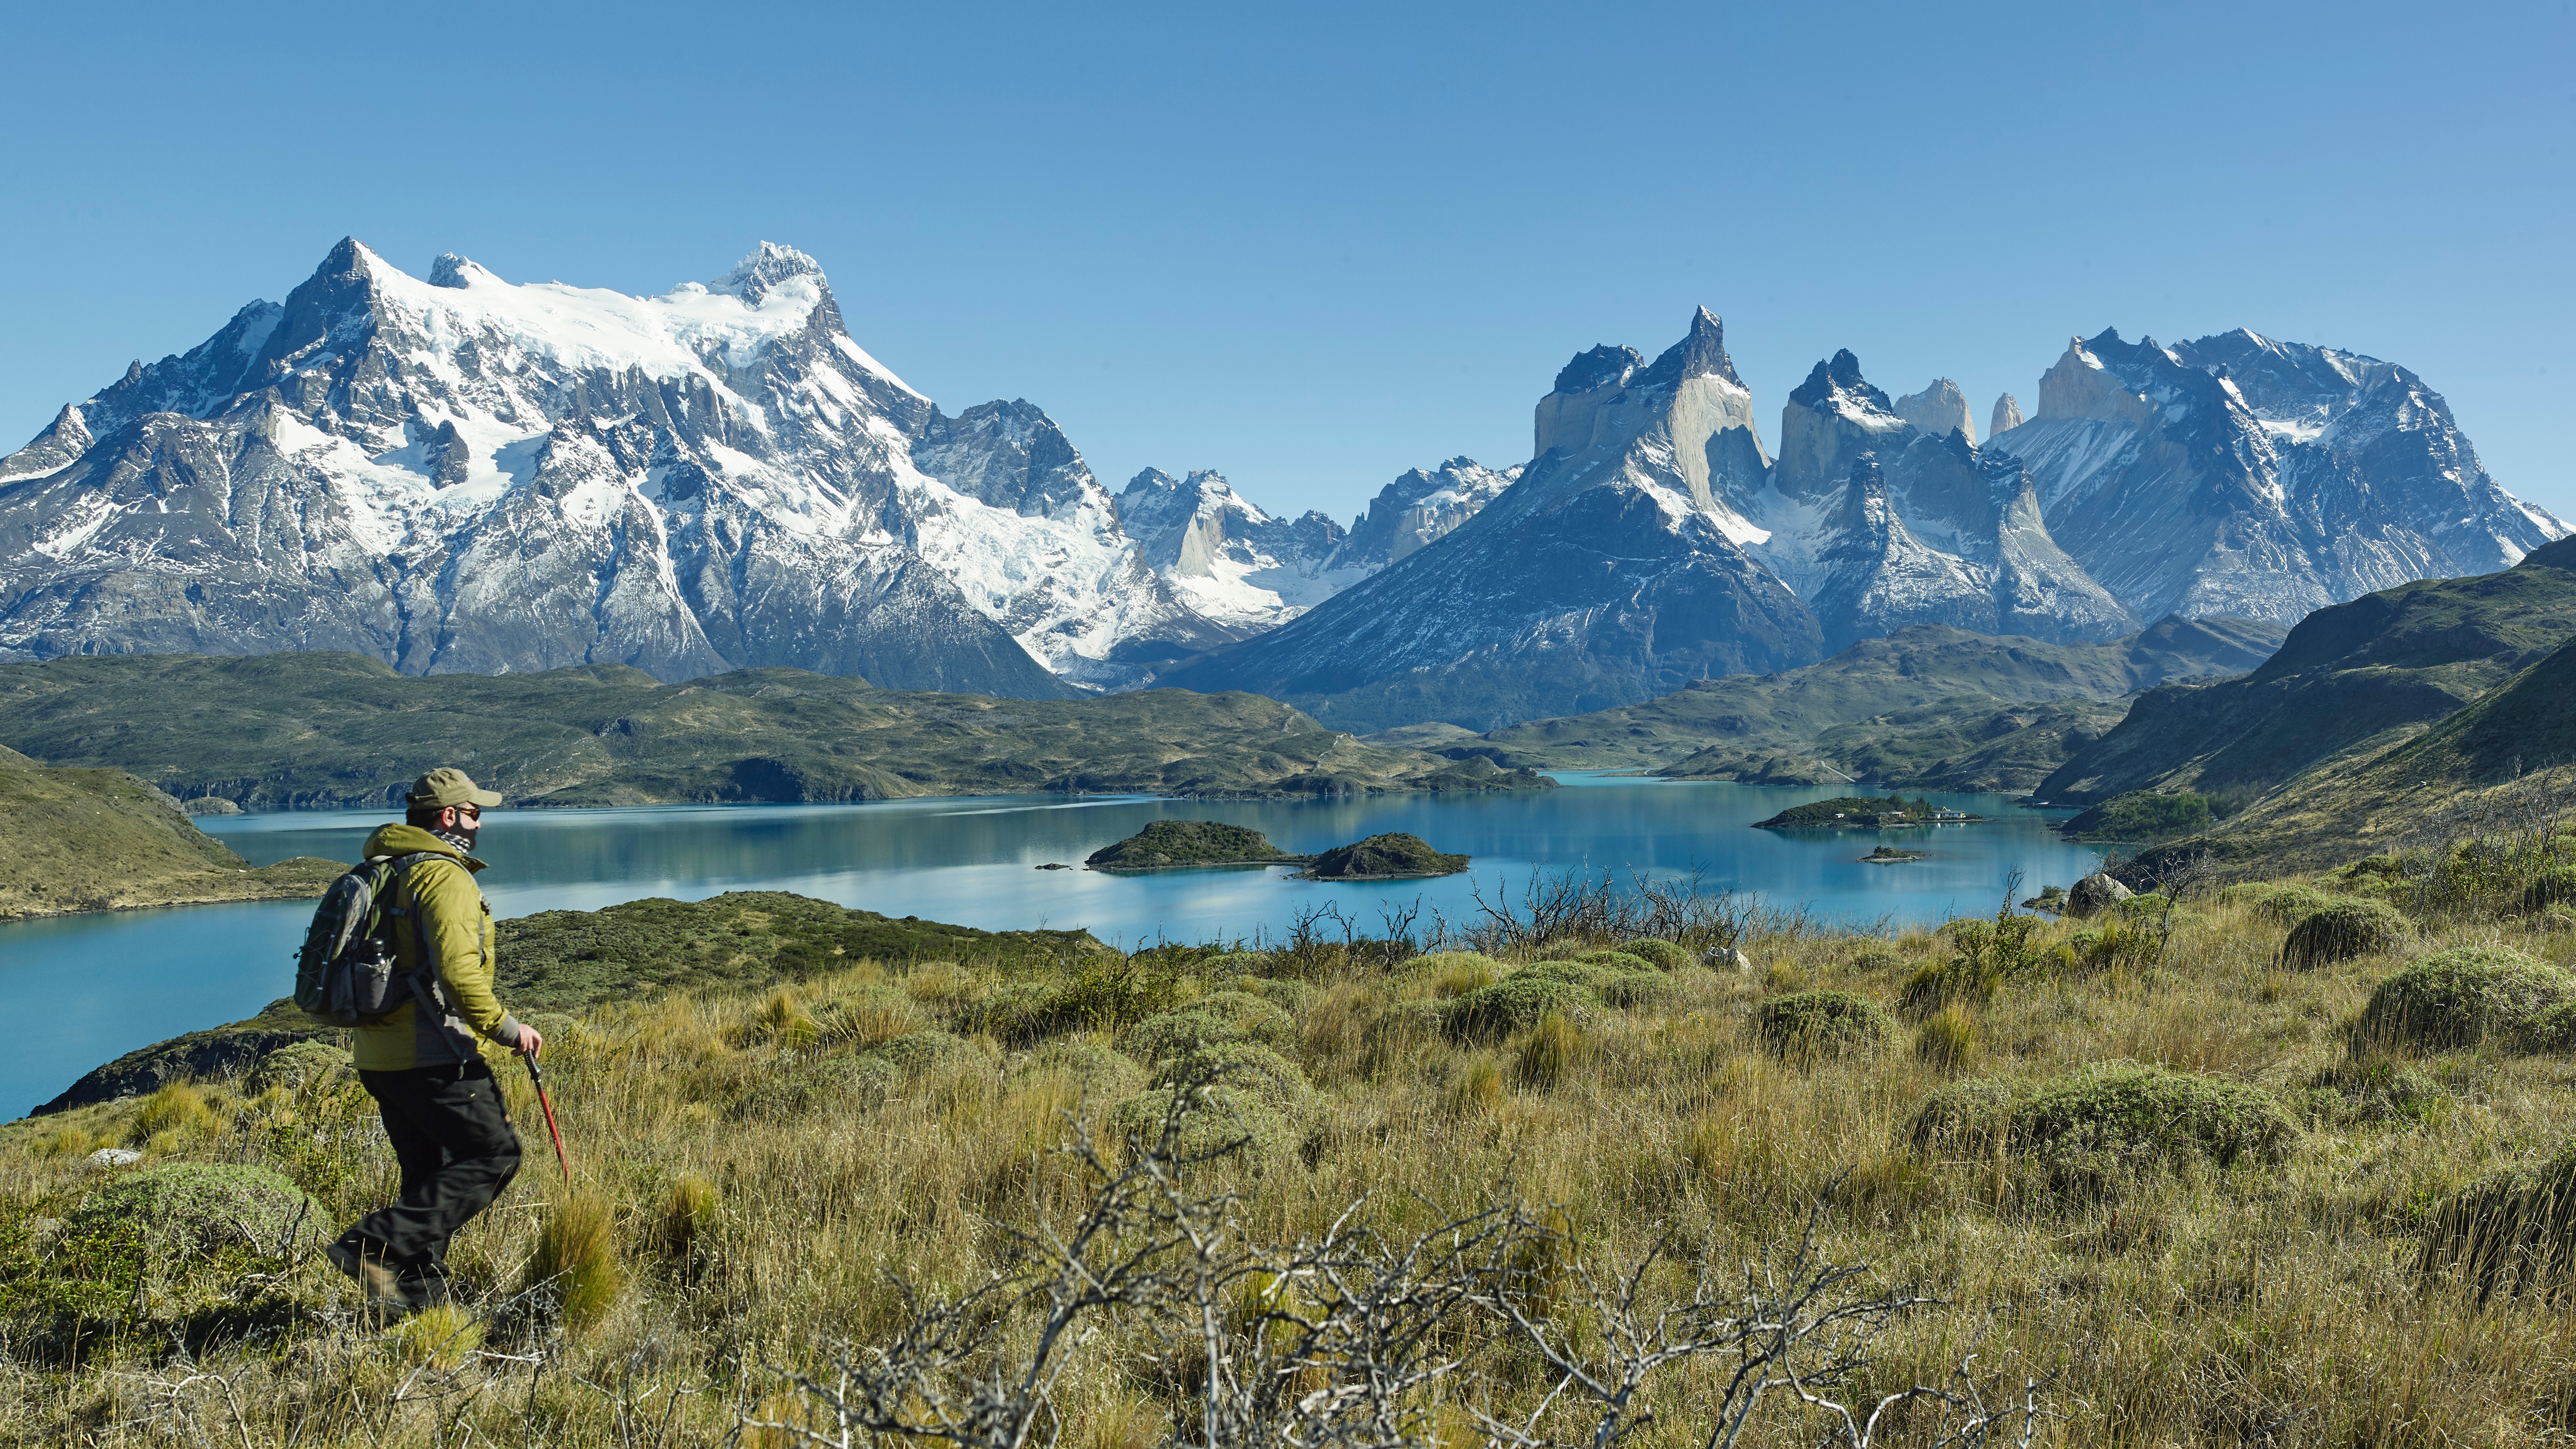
{"x":530,"y":1041}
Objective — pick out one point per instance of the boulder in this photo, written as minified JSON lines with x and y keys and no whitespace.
{"x":2094,"y":894}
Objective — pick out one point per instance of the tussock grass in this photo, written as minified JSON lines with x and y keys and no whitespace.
{"x":2271,"y":1216}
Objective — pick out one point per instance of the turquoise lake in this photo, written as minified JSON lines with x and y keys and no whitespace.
{"x":82,"y":990}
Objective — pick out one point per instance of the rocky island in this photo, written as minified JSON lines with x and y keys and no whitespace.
{"x":1190,"y":845}
{"x":1384,"y":857}
{"x":1862,"y":812}
{"x":1890,"y":855}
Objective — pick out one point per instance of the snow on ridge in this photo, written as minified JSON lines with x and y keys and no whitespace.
{"x":670,"y":336}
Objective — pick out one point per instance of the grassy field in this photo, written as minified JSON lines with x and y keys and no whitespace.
{"x":2197,"y":1190}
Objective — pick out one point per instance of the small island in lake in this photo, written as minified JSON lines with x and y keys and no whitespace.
{"x":1862,"y":812}
{"x":1190,"y":845}
{"x":1890,"y":855}
{"x":1384,"y":857}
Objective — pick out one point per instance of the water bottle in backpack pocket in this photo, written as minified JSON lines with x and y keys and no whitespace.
{"x":347,"y":972}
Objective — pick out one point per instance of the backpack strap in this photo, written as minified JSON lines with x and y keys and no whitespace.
{"x":424,"y":977}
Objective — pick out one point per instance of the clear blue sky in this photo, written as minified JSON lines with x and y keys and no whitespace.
{"x":1313,"y":246}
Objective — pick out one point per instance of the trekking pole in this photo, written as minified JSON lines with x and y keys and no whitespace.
{"x":538,"y":1080}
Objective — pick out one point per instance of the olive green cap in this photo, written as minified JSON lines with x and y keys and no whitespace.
{"x":448,"y":785}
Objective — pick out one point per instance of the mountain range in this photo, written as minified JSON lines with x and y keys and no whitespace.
{"x":459,"y":474}
{"x":1652,"y":540}
{"x":463,"y":475}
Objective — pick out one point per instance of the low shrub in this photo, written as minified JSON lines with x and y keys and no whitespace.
{"x":1516,"y":1002}
{"x":1412,"y":1021}
{"x":1629,"y":990}
{"x":1287,"y":995}
{"x":196,"y":1208}
{"x":2372,"y":1090}
{"x":2122,"y":945}
{"x":1619,"y":961}
{"x":2513,"y":1232}
{"x":2343,"y":930}
{"x":2101,"y":1127}
{"x":2282,"y":905}
{"x":300,"y":1065}
{"x":2372,"y":875}
{"x":1936,"y":985}
{"x":1101,"y":1071}
{"x":1664,"y":954}
{"x":1448,"y":974}
{"x":2467,"y":995}
{"x":1226,"y":1016}
{"x":1984,"y":956}
{"x":2555,"y":886}
{"x":1108,"y":994}
{"x":1574,"y":971}
{"x":1971,"y":1118}
{"x":1258,"y":1070}
{"x":916,"y":1052}
{"x":1225,"y":1115}
{"x":834,"y":1083}
{"x":1820,"y":1024}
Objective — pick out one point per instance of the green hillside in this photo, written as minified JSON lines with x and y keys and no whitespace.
{"x":1936,"y":747}
{"x":1921,"y":701}
{"x":2349,"y":682}
{"x":2430,"y":789}
{"x":298,"y":730}
{"x":95,"y":840}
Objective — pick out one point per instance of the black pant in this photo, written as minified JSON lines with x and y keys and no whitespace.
{"x":457,"y":1150}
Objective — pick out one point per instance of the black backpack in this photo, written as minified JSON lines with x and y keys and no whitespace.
{"x":346,"y":973}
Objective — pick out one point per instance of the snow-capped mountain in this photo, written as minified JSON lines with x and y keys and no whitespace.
{"x":1881,"y":522}
{"x":1650,"y":538}
{"x":1417,"y":508}
{"x":1240,"y":568}
{"x":1614,"y":569}
{"x":463,"y":474}
{"x":2244,"y":476}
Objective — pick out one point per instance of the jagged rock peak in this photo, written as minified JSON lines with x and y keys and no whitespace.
{"x":1602,"y":367}
{"x":2007,"y":416}
{"x":768,"y":265}
{"x":1838,"y":378}
{"x":1939,"y":409}
{"x":1865,"y":495}
{"x":1700,"y":353}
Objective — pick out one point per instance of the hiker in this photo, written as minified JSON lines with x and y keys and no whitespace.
{"x":424,"y":1067}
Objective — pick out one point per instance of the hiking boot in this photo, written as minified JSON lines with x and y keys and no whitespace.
{"x":383,"y":1287}
{"x":424,"y":1290}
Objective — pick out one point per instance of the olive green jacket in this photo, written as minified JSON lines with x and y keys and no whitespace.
{"x":438,"y":902}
